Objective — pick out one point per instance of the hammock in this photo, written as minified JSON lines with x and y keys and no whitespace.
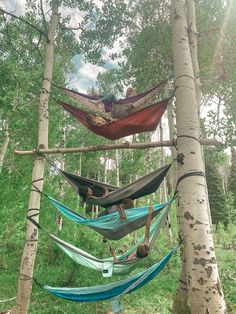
{"x":143,"y":186}
{"x":112,"y":290}
{"x":135,"y":101}
{"x":108,"y":266}
{"x":143,"y":120}
{"x":111,"y":226}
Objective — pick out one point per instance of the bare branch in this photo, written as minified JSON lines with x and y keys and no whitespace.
{"x":44,"y":20}
{"x":69,"y":28}
{"x":102,"y":147}
{"x":26,"y":22}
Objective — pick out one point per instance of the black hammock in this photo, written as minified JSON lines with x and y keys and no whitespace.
{"x":143,"y":186}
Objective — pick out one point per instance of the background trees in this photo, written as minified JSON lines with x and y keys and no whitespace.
{"x":145,"y":59}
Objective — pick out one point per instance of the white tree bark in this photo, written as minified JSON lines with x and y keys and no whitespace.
{"x":117,"y":167}
{"x":163,"y":191}
{"x":204,"y":288}
{"x":30,"y":247}
{"x":192,"y":30}
{"x":6,"y":140}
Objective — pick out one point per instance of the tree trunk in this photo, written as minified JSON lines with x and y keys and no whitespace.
{"x":106,"y":167}
{"x":204,"y":289}
{"x":59,"y":220}
{"x":30,"y":247}
{"x":6,"y":139}
{"x":232,"y":175}
{"x":192,"y":30}
{"x":117,"y":167}
{"x":163,"y":191}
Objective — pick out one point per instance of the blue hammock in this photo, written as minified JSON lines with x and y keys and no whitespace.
{"x":112,"y":290}
{"x":111,"y":226}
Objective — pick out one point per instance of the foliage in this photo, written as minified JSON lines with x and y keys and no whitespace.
{"x":217,"y":198}
{"x":147,"y":53}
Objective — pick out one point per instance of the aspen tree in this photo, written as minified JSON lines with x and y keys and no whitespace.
{"x":204,"y":289}
{"x":29,"y":252}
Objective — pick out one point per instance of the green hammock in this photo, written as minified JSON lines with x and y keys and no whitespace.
{"x":112,"y":291}
{"x":108,"y":266}
{"x":111,"y":226}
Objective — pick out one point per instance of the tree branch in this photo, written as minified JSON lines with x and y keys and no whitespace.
{"x":44,"y":20}
{"x":69,"y":28}
{"x":26,"y":22}
{"x":102,"y":147}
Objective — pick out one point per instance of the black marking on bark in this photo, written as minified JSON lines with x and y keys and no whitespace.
{"x":193,"y":153}
{"x":200,"y":200}
{"x":199,"y":247}
{"x":191,"y":226}
{"x":218,"y":285}
{"x":195,"y":289}
{"x":198,"y":222}
{"x":183,"y":282}
{"x":177,"y":16}
{"x":212,"y":249}
{"x":188,"y":216}
{"x":203,"y":261}
{"x":201,"y":281}
{"x":33,"y":235}
{"x":208,"y":252}
{"x":209,"y":270}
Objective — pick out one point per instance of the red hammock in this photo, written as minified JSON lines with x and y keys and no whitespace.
{"x":143,"y":120}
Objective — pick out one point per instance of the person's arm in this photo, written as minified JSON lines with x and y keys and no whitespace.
{"x":113,"y":253}
{"x":148,"y":223}
{"x":121,"y":212}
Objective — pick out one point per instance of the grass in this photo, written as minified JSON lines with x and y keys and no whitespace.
{"x":54,"y":268}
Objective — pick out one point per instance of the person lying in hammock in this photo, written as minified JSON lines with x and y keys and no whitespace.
{"x":143,"y":248}
{"x":107,"y":101}
{"x":93,"y":191}
{"x":96,"y":120}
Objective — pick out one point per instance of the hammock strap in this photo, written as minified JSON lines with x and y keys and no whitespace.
{"x":183,"y":75}
{"x":189,"y":174}
{"x":189,"y":136}
{"x":36,"y":180}
{"x":26,"y":277}
{"x":37,"y":225}
{"x":33,"y":215}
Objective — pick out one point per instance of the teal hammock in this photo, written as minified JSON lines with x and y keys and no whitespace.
{"x":111,"y":226}
{"x":108,"y":266}
{"x":113,"y":290}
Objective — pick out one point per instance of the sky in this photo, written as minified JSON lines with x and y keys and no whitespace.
{"x":86,"y":75}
